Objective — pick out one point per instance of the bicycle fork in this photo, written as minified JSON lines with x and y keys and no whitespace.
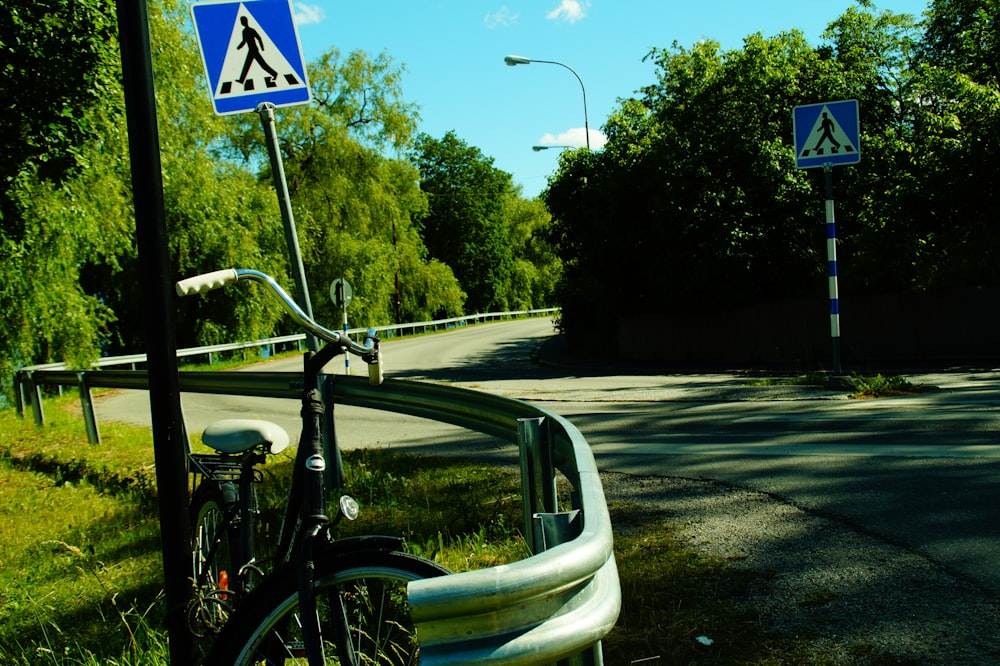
{"x":309,"y":617}
{"x":314,"y":529}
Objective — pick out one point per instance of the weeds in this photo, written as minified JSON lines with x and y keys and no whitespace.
{"x":879,"y":386}
{"x":864,"y":386}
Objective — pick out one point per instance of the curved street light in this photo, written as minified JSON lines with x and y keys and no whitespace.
{"x":549,"y":147}
{"x":514,"y":60}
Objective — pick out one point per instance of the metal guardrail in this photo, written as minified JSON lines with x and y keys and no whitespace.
{"x":390,"y":331}
{"x":59,"y":374}
{"x":552,"y":607}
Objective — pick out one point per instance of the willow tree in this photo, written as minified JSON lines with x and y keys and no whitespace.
{"x":354,"y":202}
{"x":53,"y":129}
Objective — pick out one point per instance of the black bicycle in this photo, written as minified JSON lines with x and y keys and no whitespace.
{"x":342,"y":600}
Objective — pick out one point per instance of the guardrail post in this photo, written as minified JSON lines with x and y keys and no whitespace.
{"x":19,"y":394}
{"x":538,"y":488}
{"x":546,"y":526}
{"x":87,"y":406}
{"x":35,"y":391}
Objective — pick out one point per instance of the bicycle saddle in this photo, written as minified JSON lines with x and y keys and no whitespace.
{"x":239,"y":435}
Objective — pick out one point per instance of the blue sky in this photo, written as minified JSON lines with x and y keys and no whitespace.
{"x":454,"y":52}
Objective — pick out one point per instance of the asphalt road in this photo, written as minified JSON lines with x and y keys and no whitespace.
{"x":920,"y":471}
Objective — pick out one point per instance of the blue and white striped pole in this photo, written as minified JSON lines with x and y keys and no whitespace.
{"x":347,"y":356}
{"x":831,"y":256}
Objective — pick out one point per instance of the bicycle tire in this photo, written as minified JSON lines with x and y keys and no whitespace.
{"x":372,"y":586}
{"x":213,"y":543}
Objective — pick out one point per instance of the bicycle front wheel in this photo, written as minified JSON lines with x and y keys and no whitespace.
{"x":370,"y":587}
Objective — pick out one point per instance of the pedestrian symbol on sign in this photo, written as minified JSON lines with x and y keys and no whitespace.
{"x":829,"y":130}
{"x":254,"y":44}
{"x":247,"y":47}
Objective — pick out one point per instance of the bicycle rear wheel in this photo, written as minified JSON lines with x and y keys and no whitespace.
{"x":214,"y":546}
{"x":371,"y":586}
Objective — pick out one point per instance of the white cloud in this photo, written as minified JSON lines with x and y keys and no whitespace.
{"x":306,"y":14}
{"x":569,"y":10}
{"x":575,"y":137}
{"x":503,"y":18}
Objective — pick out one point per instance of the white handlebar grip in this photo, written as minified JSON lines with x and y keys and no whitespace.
{"x":375,"y":370}
{"x":202,"y":283}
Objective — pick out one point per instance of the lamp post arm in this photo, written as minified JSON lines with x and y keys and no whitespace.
{"x":586,"y":122}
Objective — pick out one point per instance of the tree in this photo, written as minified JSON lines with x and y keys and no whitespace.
{"x":536,"y":267}
{"x":465,"y":226}
{"x":699,"y":172}
{"x":963,"y":36}
{"x":67,"y":257}
{"x":357,"y":94}
{"x":43,"y":118}
{"x":217,"y":214}
{"x":694,"y":203}
{"x":355,"y":207}
{"x":54,"y":129}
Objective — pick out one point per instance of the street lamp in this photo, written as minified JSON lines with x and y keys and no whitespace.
{"x":514,"y":60}
{"x":541,"y":148}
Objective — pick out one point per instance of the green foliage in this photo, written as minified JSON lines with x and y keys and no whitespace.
{"x":537,"y":267}
{"x":465,"y":226}
{"x":43,"y":117}
{"x":55,"y":129}
{"x":357,"y":94}
{"x":695,"y":203}
{"x":964,"y":36}
{"x":353,"y":206}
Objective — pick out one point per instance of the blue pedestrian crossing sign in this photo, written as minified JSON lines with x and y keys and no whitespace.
{"x":251,"y":53}
{"x":826,"y":133}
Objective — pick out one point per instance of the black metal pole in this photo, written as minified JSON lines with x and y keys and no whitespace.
{"x":169,"y":437}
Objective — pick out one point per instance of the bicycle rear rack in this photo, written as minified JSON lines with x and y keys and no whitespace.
{"x":215,"y":467}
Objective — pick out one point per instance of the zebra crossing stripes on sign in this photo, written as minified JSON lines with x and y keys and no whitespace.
{"x":826,"y":133}
{"x":251,"y":53}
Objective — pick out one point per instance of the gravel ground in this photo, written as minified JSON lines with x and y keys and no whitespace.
{"x":848,"y":594}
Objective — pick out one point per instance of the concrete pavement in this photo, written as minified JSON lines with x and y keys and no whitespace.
{"x":921,"y":471}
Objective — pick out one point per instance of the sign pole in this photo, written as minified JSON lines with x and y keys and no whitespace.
{"x":825,"y":135}
{"x":831,"y":256}
{"x":347,"y":357}
{"x":266,"y":112}
{"x":169,"y":436}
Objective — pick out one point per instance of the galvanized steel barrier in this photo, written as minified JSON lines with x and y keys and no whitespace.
{"x":552,"y":607}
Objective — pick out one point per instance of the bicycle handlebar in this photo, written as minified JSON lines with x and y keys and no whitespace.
{"x":369,"y":351}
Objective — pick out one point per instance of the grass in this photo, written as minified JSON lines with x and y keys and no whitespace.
{"x":865,"y":386}
{"x":807,"y":379}
{"x":80,"y":574}
{"x":81,"y":581}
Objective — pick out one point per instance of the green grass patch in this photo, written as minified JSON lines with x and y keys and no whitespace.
{"x":80,"y":572}
{"x":807,"y":379}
